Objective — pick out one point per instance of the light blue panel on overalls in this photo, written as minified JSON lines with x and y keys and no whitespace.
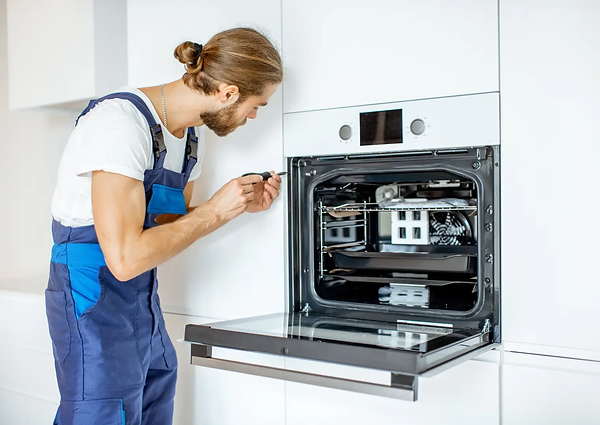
{"x":166,"y":200}
{"x":115,"y":363}
{"x":84,"y":261}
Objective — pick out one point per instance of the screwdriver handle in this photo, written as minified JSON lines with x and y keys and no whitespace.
{"x":265,"y":176}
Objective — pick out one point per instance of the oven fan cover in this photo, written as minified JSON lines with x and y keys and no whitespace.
{"x":449,"y":228}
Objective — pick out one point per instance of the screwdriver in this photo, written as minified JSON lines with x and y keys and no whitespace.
{"x":266,"y":175}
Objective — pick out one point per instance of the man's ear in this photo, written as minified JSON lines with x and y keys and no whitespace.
{"x":228,"y":94}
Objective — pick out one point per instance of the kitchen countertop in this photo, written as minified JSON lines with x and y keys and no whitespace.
{"x":32,"y":285}
{"x":35,"y":286}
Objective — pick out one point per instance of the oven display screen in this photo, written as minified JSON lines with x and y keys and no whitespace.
{"x":381,"y":127}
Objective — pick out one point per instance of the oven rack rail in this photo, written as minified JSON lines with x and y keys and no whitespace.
{"x":377,"y":207}
{"x":347,"y":224}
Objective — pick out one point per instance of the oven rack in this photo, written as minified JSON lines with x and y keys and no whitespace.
{"x":383,"y":207}
{"x":328,"y":248}
{"x":343,"y":224}
{"x":323,"y":226}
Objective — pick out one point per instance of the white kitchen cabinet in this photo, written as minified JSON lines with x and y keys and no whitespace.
{"x":550,"y":391}
{"x":550,"y":169}
{"x":28,"y":390}
{"x":239,"y":270}
{"x":156,"y":27}
{"x":214,"y":397}
{"x":29,"y":371}
{"x":345,"y":53}
{"x":26,"y":362}
{"x":20,"y":409}
{"x":65,"y":52}
{"x":465,"y":394}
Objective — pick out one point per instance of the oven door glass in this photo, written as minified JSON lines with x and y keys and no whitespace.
{"x":408,"y":349}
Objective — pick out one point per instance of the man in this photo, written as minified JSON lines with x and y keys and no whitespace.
{"x":121,"y":208}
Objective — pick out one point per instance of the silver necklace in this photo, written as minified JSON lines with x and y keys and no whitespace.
{"x":162,"y":93}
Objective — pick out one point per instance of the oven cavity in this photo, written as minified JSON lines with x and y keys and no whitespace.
{"x":397,"y":240}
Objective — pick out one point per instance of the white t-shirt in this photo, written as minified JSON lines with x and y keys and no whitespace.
{"x":114,"y":137}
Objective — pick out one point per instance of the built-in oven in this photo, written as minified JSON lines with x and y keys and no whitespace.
{"x":393,"y":245}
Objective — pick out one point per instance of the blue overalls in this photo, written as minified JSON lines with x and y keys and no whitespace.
{"x":115,"y":363}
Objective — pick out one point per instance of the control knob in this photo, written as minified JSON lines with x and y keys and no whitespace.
{"x":345,"y":132}
{"x":417,"y":126}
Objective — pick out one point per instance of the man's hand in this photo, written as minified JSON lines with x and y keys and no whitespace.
{"x":235,"y":197}
{"x":265,"y":192}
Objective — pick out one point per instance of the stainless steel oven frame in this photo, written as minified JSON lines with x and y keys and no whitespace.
{"x":480,"y":164}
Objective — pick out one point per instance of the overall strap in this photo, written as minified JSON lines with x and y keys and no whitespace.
{"x":159,"y":149}
{"x":191,"y":151}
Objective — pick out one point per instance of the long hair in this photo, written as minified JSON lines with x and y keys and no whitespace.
{"x":238,"y":56}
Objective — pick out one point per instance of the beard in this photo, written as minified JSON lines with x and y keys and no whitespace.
{"x":224,"y":121}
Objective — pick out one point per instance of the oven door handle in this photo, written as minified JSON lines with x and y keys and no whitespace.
{"x":402,"y":387}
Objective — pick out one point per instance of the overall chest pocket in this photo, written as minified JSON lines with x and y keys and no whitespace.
{"x":166,"y":200}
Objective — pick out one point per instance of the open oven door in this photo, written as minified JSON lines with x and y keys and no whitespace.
{"x":406,"y":350}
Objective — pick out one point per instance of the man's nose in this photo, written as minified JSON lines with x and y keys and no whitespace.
{"x":252,"y":114}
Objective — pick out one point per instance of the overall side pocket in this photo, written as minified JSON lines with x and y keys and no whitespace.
{"x":58,"y":324}
{"x":91,"y":412}
{"x":111,"y":357}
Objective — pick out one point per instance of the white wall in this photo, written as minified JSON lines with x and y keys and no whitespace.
{"x":238,"y":270}
{"x":31,"y":143}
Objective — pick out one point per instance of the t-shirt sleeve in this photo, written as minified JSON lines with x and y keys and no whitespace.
{"x":115,"y":138}
{"x":197,"y":170}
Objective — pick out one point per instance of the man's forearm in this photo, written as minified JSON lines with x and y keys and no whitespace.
{"x":156,"y":245}
{"x":171,"y":218}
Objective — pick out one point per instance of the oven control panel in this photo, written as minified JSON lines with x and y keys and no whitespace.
{"x":450,"y":122}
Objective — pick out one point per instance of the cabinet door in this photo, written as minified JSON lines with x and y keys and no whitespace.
{"x":20,"y":409}
{"x":214,"y":397}
{"x":49,"y":54}
{"x":550,"y":391}
{"x":26,"y":361}
{"x":156,"y":27}
{"x":550,"y":173}
{"x":467,"y":394}
{"x":64,"y":52}
{"x":28,"y":389}
{"x":350,"y":52}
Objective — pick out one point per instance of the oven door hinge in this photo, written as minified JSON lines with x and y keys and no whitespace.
{"x":306,"y":309}
{"x":487,"y":326}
